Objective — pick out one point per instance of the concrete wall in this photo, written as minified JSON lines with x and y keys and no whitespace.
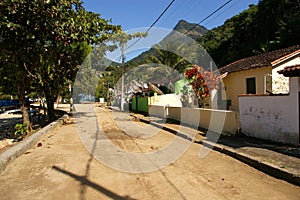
{"x":157,"y":111}
{"x":223,"y":121}
{"x":166,"y":99}
{"x":234,"y":84}
{"x":274,"y":118}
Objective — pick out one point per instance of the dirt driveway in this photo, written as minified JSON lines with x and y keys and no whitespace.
{"x":63,"y":168}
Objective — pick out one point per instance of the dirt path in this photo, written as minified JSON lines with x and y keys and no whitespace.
{"x":62,"y":168}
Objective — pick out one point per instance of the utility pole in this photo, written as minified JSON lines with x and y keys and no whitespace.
{"x":122,"y":77}
{"x":71,"y":99}
{"x":122,"y":39}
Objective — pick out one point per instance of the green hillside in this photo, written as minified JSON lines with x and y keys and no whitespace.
{"x":268,"y":26}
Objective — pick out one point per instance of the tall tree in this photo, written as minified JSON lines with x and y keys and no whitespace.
{"x":46,"y":41}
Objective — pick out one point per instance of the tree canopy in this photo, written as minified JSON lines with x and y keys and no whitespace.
{"x":45,"y":41}
{"x":270,"y":25}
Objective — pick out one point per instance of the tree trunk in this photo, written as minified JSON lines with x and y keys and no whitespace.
{"x":50,"y":104}
{"x":58,"y":98}
{"x":51,"y":113}
{"x":23,"y":106}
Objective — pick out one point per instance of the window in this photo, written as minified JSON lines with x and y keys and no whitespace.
{"x":251,"y":86}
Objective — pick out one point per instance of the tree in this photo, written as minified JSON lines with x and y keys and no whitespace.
{"x":169,"y":59}
{"x":45,"y":41}
{"x":268,"y":26}
{"x":235,"y":39}
{"x":202,"y":82}
{"x":280,"y":21}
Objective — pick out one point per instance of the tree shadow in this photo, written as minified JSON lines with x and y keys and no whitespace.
{"x":38,"y":121}
{"x":84,"y":181}
{"x":158,"y":169}
{"x":240,"y":141}
{"x":7,"y":127}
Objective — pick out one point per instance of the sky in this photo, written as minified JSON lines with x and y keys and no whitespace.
{"x":132,"y":14}
{"x":139,"y":15}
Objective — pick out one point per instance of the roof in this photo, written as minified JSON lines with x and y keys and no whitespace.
{"x":283,"y":58}
{"x":290,"y":71}
{"x":261,"y":60}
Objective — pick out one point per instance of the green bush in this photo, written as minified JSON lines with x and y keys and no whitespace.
{"x":21,"y":131}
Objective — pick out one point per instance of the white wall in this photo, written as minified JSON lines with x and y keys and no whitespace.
{"x":166,"y":99}
{"x":224,"y":121}
{"x":274,"y":118}
{"x":280,"y":84}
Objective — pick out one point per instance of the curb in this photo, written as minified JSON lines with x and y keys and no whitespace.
{"x":264,"y":167}
{"x":14,"y":152}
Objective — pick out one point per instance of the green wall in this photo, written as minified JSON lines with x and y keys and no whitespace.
{"x":142,"y":104}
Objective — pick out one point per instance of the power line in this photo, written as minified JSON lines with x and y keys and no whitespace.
{"x":208,"y":16}
{"x":158,"y":18}
{"x":183,"y":8}
{"x":160,"y":15}
{"x":221,"y":13}
{"x":172,"y":12}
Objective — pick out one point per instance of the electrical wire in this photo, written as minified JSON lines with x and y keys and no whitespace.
{"x":234,"y":4}
{"x":172,"y":12}
{"x":208,"y":16}
{"x":158,"y":18}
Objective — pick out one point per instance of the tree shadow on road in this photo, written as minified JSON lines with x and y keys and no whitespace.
{"x":240,"y":141}
{"x":84,"y":181}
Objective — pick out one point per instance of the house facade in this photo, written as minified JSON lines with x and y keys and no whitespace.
{"x":275,"y":118}
{"x":280,"y":83}
{"x":257,"y":75}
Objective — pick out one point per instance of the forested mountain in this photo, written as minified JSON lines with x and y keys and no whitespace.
{"x":183,"y":27}
{"x":270,"y":25}
{"x":194,"y":31}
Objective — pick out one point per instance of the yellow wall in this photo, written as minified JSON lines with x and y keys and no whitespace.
{"x":219,"y":121}
{"x":235,"y":84}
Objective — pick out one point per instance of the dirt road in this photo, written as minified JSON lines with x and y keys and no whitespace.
{"x":63,"y":168}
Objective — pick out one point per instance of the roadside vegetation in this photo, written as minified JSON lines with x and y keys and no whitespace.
{"x":42,"y":45}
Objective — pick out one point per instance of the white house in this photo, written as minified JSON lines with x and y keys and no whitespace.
{"x":274,"y":117}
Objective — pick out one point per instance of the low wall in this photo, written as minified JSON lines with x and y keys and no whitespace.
{"x":166,"y":99}
{"x":274,"y":118}
{"x":157,"y":111}
{"x":269,"y":117}
{"x":223,"y":121}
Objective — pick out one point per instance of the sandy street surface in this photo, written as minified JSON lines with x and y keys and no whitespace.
{"x":63,"y":168}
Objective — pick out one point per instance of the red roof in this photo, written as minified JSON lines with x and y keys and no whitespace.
{"x":260,"y":60}
{"x":290,"y":71}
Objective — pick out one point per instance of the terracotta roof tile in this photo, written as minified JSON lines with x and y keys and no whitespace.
{"x":290,"y":71}
{"x":260,"y":60}
{"x":275,"y":62}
